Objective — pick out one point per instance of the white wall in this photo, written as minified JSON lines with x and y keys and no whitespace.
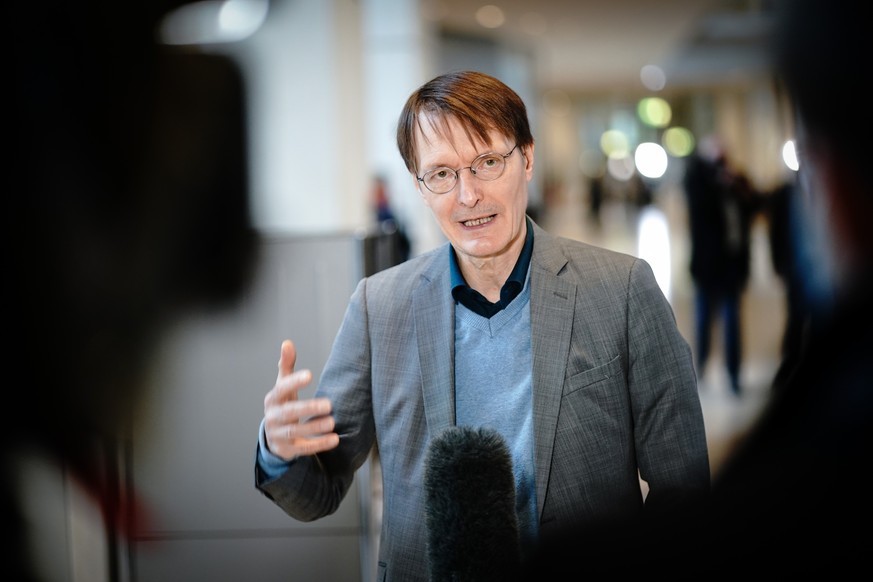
{"x":326,"y":82}
{"x":305,"y":89}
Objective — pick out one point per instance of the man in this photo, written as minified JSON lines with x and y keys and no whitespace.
{"x":569,"y":351}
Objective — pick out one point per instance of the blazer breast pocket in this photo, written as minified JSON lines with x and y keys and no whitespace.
{"x":595,"y":412}
{"x":604,"y":372}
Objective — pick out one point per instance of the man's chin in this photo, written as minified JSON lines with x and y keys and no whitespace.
{"x":480,"y":248}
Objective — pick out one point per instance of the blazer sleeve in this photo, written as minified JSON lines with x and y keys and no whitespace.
{"x":314,"y":486}
{"x":669,"y":427}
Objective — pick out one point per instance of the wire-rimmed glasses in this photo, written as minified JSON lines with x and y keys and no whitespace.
{"x":486,"y":167}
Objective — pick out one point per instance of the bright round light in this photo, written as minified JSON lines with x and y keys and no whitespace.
{"x":651,"y":160}
{"x":654,"y":111}
{"x":678,"y":141}
{"x":653,"y":77}
{"x":614,"y":143}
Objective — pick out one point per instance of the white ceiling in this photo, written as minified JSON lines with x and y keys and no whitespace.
{"x":590,"y":45}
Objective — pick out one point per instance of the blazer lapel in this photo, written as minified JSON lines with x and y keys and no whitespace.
{"x":552,"y":305}
{"x":434,"y":330}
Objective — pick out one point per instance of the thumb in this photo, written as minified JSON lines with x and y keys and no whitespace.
{"x":287,"y":358}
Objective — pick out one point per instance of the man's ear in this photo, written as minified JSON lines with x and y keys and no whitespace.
{"x":528,"y":160}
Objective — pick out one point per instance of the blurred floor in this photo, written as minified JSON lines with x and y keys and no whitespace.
{"x":726,"y":415}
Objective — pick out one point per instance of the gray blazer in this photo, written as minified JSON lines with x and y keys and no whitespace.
{"x":614,"y":395}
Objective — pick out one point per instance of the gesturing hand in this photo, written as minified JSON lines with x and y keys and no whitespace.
{"x":293,"y":426}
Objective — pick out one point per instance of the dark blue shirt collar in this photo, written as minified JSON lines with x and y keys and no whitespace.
{"x":475,"y":301}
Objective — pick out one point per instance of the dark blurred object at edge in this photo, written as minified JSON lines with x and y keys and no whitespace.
{"x":130,"y":206}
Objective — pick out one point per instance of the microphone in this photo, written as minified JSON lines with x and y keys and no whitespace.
{"x":472,"y":527}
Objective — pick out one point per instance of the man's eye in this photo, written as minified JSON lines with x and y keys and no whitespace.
{"x":489,"y":162}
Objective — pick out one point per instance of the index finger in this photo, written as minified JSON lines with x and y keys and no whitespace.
{"x":287,"y":359}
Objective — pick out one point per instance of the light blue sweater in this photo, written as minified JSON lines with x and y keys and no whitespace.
{"x":493,"y":389}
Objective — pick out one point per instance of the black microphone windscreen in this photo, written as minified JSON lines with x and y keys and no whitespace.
{"x":472,"y":525}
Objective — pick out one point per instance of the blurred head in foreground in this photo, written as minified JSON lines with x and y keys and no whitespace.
{"x":130,"y":206}
{"x":822,"y":53}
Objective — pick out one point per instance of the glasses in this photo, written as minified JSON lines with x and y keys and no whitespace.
{"x":486,"y":167}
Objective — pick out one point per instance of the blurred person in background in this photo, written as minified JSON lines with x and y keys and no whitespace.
{"x":792,"y":499}
{"x":387,"y":221}
{"x":721,"y":204}
{"x":569,"y":351}
{"x":130,"y":207}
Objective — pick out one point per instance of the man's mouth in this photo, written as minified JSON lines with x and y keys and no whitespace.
{"x":478,"y":221}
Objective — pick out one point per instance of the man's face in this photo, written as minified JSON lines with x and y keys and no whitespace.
{"x":481,"y":219}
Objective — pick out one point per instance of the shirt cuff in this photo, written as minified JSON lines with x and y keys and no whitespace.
{"x":272,"y":465}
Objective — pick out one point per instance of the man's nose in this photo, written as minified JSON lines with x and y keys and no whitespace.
{"x":468,"y":188}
